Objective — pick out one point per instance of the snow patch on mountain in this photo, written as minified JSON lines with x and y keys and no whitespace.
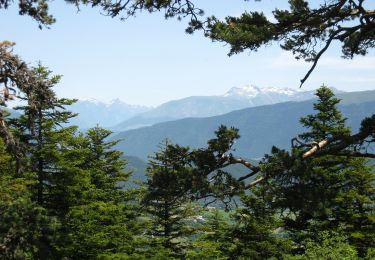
{"x":251,"y":91}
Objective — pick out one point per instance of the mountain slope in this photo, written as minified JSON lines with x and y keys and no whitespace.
{"x":260,"y":127}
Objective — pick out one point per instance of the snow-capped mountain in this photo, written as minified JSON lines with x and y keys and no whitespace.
{"x":120,"y":116}
{"x":251,"y":91}
{"x":205,"y":106}
{"x":92,"y":112}
{"x":268,"y":95}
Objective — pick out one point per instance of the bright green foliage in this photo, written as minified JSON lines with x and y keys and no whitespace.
{"x":212,"y":242}
{"x":105,"y":166}
{"x":370,"y":254}
{"x":328,"y":122}
{"x":97,"y":228}
{"x":206,"y":249}
{"x":21,"y":220}
{"x":330,"y":246}
{"x":166,"y":197}
{"x":102,"y":222}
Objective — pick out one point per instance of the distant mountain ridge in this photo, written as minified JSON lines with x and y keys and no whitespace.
{"x":260,"y":127}
{"x":205,"y":106}
{"x":93,"y":112}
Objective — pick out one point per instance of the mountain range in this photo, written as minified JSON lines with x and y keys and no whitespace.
{"x":119,"y":116}
{"x":206,"y":106}
{"x":260,"y":127}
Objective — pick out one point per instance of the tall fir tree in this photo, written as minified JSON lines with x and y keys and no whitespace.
{"x":40,"y":129}
{"x":102,"y":224}
{"x":166,"y":197}
{"x":41,"y":136}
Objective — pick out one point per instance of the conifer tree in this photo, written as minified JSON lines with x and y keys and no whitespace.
{"x":256,"y":231}
{"x":39,"y":128}
{"x":213,"y":236}
{"x":22,"y":221}
{"x":167,"y":199}
{"x":102,"y":223}
{"x":355,"y":209}
{"x":308,"y":191}
{"x":40,"y":133}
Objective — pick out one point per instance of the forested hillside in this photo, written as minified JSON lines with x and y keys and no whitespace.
{"x":260,"y":127}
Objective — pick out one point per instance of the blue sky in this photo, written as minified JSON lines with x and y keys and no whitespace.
{"x":148,"y":60}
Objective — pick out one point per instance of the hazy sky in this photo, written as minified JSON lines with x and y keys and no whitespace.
{"x":148,"y":60}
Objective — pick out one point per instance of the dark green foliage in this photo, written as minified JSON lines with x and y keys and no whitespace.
{"x":46,"y":142}
{"x":105,"y":165}
{"x":256,"y":233}
{"x":355,"y":205}
{"x":167,"y":198}
{"x":67,"y":200}
{"x":211,"y":178}
{"x":324,"y":192}
{"x":299,"y":29}
{"x":60,"y":193}
{"x":39,"y":10}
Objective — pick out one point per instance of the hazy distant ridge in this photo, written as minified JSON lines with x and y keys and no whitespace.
{"x":106,"y":114}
